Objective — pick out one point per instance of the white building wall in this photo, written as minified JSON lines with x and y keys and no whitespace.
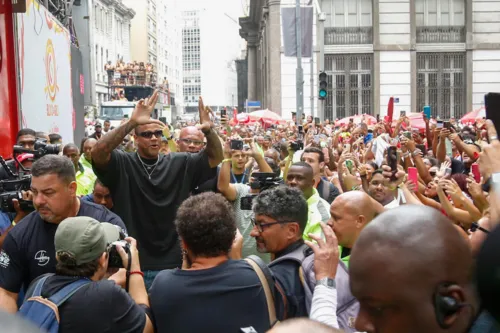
{"x":395,"y":81}
{"x":394,"y":22}
{"x":486,"y":75}
{"x":486,"y":21}
{"x":111,"y":32}
{"x":288,"y":76}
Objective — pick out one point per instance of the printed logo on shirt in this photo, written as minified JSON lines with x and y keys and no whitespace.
{"x":248,"y":330}
{"x":41,"y":257}
{"x":351,"y":322}
{"x":4,"y":259}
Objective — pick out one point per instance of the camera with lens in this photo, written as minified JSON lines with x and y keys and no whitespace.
{"x":115,"y":261}
{"x":12,"y":187}
{"x":297,"y":145}
{"x":261,"y":181}
{"x":40,"y":149}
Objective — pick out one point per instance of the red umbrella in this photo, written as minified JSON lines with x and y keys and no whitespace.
{"x":265,"y":116}
{"x":472,"y":116}
{"x":369,"y":120}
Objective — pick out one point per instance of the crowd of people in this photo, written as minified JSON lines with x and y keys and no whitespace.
{"x":300,"y":226}
{"x":132,"y":74}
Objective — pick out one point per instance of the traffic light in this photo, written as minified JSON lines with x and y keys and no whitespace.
{"x":323,"y":84}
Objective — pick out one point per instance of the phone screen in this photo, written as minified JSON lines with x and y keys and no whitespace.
{"x":223,"y":113}
{"x":439,"y":124}
{"x":236,"y":145}
{"x":492,"y":104}
{"x":446,"y":124}
{"x":316,"y":121}
{"x":402,"y":114}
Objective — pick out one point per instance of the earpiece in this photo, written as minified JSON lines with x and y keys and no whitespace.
{"x":445,"y":306}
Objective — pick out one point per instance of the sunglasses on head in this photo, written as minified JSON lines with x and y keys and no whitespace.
{"x":149,"y":134}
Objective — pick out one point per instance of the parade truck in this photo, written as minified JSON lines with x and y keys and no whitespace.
{"x":41,"y":81}
{"x":116,"y":110}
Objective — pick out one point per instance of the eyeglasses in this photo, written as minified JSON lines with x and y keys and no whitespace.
{"x":261,"y":227}
{"x":149,"y":134}
{"x":195,"y":143}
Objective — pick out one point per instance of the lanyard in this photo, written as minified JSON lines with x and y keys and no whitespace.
{"x":235,"y":181}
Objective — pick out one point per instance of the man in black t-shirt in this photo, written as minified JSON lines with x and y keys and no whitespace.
{"x":212,"y":293}
{"x":28,"y":250}
{"x":147,"y":187}
{"x":82,"y":245}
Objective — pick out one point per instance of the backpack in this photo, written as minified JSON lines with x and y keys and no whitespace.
{"x":347,"y":304}
{"x":44,"y":312}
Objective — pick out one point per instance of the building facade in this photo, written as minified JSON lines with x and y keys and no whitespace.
{"x":442,"y":53}
{"x":156,"y":36}
{"x":209,"y":52}
{"x":111,"y":24}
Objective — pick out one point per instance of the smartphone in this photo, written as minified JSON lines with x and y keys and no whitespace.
{"x":413,"y":175}
{"x":223,"y":113}
{"x":392,"y":158}
{"x":402,"y":114}
{"x":492,"y":105}
{"x":347,"y":147}
{"x":301,"y":129}
{"x":447,"y":172}
{"x":439,"y":124}
{"x":316,"y":121}
{"x":475,"y":172}
{"x":408,"y":135}
{"x":236,"y":145}
{"x":447,"y":125}
{"x":427,"y":111}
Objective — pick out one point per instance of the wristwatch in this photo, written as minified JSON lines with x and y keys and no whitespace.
{"x":327,"y":282}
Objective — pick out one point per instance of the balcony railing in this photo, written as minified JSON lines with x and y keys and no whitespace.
{"x":450,"y":34}
{"x":351,"y":35}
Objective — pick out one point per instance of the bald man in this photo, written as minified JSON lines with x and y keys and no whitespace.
{"x":411,"y":271}
{"x":86,"y":158}
{"x":302,"y":325}
{"x":350,"y":212}
{"x":191,"y":140}
{"x":85,"y":178}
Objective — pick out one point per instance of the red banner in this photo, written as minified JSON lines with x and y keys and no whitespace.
{"x":8,"y":88}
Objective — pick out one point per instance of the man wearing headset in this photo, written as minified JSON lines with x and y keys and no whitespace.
{"x":412,"y":271}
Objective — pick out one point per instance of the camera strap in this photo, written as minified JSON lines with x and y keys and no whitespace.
{"x":127,"y":280}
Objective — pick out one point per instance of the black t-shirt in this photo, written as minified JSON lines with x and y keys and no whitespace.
{"x":225,"y":298}
{"x":457,"y":166}
{"x":148,"y":206}
{"x":211,"y":184}
{"x":28,"y":250}
{"x":98,"y":306}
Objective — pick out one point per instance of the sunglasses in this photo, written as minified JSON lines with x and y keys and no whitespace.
{"x":149,"y":134}
{"x":196,"y":143}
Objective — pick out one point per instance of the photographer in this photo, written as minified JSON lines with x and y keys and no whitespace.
{"x":25,"y":138}
{"x":28,"y":250}
{"x":82,"y":247}
{"x":236,"y":192}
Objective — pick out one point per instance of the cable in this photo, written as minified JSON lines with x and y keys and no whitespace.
{"x":476,"y":226}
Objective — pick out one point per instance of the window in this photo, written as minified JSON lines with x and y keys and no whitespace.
{"x":348,"y":22}
{"x":440,"y":21}
{"x":441,"y":83}
{"x":350,"y":88}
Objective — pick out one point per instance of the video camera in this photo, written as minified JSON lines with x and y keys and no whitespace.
{"x":262,"y":181}
{"x":11,"y":187}
{"x":115,"y":261}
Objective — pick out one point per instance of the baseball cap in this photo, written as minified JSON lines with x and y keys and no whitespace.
{"x":97,"y":125}
{"x":84,"y":238}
